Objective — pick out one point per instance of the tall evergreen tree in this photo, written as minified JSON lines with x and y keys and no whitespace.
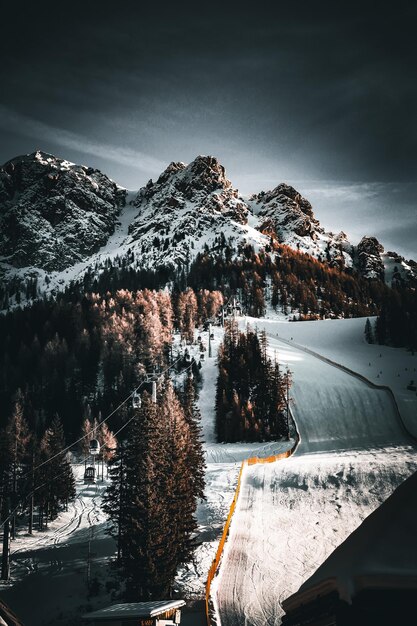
{"x":250,"y":396}
{"x":54,"y":479}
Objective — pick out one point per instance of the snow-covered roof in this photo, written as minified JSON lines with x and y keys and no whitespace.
{"x":380,"y":554}
{"x":135,"y":609}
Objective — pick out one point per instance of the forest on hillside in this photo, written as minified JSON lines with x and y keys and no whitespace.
{"x":80,"y":357}
{"x":252,"y":392}
{"x":67,"y":370}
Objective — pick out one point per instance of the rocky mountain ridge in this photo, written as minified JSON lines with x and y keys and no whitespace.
{"x":54,"y":213}
{"x":59,"y":220}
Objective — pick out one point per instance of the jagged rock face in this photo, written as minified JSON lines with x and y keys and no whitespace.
{"x":369,"y":260}
{"x":286,"y":211}
{"x":188,"y":206}
{"x":285,"y":215}
{"x":53,"y":213}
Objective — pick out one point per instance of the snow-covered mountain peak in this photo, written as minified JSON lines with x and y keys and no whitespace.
{"x":188,"y":207}
{"x":202,"y":176}
{"x":54,"y":213}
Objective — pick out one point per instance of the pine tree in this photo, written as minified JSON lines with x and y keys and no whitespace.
{"x":54,"y":480}
{"x":17,"y":440}
{"x":195,"y":453}
{"x":369,"y":335}
{"x":108,"y":442}
{"x":135,"y":505}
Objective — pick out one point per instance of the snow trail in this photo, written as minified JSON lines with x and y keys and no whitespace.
{"x":354,"y":452}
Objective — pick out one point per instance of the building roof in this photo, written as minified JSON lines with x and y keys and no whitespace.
{"x":380,"y":554}
{"x":135,"y":609}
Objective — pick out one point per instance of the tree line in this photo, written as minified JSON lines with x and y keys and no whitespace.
{"x":251,"y":394}
{"x":157,"y":478}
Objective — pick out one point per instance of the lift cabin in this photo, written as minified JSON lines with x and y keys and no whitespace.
{"x":90,"y":475}
{"x":94,"y":447}
{"x":136,"y":400}
{"x":188,"y":357}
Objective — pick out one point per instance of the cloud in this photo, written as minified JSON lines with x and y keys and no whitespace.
{"x":26,"y":126}
{"x":350,"y":192}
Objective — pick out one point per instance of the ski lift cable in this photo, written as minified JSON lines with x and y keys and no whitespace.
{"x":93,"y":430}
{"x":49,"y":480}
{"x":29,"y":495}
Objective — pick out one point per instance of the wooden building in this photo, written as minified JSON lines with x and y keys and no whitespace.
{"x":156,"y":613}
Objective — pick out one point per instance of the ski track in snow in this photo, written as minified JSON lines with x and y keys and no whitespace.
{"x":354,"y":452}
{"x":223,"y":466}
{"x":290,"y":515}
{"x":61,"y":529}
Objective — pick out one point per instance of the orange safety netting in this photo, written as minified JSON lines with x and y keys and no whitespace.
{"x":215,"y":564}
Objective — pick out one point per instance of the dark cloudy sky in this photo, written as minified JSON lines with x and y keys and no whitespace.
{"x":319,"y":94}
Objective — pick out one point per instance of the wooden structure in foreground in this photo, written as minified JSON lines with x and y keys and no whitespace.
{"x":155,"y":613}
{"x":380,"y":600}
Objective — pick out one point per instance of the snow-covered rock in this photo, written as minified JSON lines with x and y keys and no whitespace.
{"x":369,"y":260}
{"x":188,"y":207}
{"x":54,"y":213}
{"x":286,"y":215}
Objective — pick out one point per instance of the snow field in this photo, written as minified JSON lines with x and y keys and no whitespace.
{"x":50,"y":568}
{"x":343,"y":341}
{"x":354,"y":452}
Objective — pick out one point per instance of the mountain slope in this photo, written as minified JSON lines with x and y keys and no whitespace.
{"x":54,"y":213}
{"x":59,"y":220}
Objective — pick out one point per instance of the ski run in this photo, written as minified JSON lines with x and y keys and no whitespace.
{"x":354,"y":450}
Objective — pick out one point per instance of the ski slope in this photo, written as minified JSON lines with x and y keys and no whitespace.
{"x":354,"y":452}
{"x":223,"y":463}
{"x":50,"y":570}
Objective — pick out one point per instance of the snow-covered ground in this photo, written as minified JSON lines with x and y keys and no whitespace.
{"x":291,"y":514}
{"x":223,"y":465}
{"x":50,"y":569}
{"x":354,"y":452}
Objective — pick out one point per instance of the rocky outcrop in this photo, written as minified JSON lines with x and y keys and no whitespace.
{"x":187,"y":207}
{"x":369,"y":261}
{"x":54,"y":213}
{"x":285,"y":209}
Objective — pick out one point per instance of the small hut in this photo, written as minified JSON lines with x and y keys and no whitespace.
{"x":156,"y":613}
